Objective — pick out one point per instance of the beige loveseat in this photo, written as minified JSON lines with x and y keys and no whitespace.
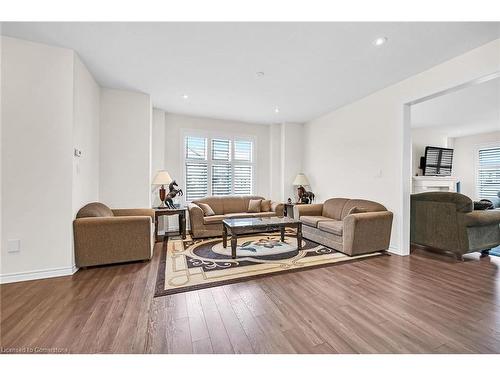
{"x":224,"y":207}
{"x":106,"y":236}
{"x":339,"y":224}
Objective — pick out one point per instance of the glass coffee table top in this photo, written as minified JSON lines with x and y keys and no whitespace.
{"x":258,"y":221}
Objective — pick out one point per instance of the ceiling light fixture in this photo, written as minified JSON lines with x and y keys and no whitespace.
{"x":380,"y":41}
{"x":185,"y":96}
{"x":276,"y":110}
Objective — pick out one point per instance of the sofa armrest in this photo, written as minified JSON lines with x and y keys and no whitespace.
{"x":482,"y":218}
{"x":278,"y":207}
{"x":308,"y":210}
{"x":195,"y":215}
{"x":105,"y":240}
{"x":367,"y":232}
{"x":134,"y":212}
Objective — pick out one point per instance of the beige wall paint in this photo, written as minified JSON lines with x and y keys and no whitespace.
{"x":357,"y":150}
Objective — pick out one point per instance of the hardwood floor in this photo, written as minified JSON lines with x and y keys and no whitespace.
{"x":424,"y":303}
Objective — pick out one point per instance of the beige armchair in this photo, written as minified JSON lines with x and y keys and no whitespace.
{"x":351,"y":226}
{"x":105,"y":236}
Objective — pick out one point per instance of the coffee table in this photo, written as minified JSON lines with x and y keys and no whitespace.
{"x":238,"y":226}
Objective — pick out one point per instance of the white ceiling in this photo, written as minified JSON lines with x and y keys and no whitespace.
{"x":310,"y":68}
{"x":472,"y":110}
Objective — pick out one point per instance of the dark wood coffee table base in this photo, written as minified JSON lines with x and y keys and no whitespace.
{"x":236,"y":231}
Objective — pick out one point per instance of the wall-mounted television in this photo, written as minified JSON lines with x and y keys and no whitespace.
{"x":437,"y":161}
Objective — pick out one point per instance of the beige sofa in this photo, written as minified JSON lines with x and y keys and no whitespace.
{"x":334,"y":225}
{"x":447,"y":222}
{"x":106,"y":236}
{"x":224,"y":207}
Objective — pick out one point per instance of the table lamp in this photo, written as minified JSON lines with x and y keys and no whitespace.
{"x":162,"y":178}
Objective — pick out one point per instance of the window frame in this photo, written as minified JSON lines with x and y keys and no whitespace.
{"x":232,"y":137}
{"x":477,"y":149}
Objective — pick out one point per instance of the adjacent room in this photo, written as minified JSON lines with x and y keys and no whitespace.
{"x":456,"y":149}
{"x":250,"y":187}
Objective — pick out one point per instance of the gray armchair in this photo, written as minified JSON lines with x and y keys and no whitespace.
{"x":447,"y":221}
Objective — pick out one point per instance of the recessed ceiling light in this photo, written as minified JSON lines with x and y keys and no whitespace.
{"x":380,"y":41}
{"x":185,"y":96}
{"x":276,"y":110}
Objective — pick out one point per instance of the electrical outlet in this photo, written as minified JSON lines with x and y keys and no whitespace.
{"x":78,"y":153}
{"x":13,"y":246}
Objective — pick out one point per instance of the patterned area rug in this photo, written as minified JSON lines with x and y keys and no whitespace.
{"x":196,"y":264}
{"x":495,"y":251}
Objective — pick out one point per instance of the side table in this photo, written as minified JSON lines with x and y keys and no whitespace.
{"x":171,"y":211}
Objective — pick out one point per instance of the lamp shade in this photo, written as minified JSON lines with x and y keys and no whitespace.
{"x":162,"y":178}
{"x":301,"y":180}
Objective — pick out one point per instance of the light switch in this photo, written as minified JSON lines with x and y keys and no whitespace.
{"x":13,"y":246}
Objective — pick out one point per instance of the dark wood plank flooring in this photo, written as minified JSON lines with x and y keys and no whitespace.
{"x":424,"y":303}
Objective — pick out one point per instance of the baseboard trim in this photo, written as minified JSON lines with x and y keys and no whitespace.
{"x":394,"y":250}
{"x":37,"y":275}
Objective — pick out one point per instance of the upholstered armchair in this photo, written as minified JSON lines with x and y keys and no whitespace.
{"x":447,"y":221}
{"x":106,"y":236}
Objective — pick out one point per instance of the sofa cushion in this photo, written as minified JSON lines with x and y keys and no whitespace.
{"x":265,"y":205}
{"x":264,"y":214}
{"x":332,"y":226}
{"x":226,"y":204}
{"x":215,"y":203}
{"x":368,"y":206}
{"x":332,"y":208}
{"x":313,"y":221}
{"x":240,"y":215}
{"x":94,"y":209}
{"x":215,"y":219}
{"x":254,"y":205}
{"x":207,"y":210}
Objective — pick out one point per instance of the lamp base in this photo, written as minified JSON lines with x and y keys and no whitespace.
{"x":162,"y":193}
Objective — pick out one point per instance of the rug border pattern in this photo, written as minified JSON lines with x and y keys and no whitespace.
{"x":160,"y":290}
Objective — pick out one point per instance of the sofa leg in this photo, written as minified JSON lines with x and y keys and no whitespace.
{"x":485,"y":253}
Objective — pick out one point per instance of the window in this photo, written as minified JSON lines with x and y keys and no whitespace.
{"x":488,"y":173}
{"x":218,"y":166}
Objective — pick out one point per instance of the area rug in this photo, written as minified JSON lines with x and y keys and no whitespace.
{"x":188,"y":264}
{"x":495,"y":251}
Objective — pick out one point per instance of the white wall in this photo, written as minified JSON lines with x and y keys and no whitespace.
{"x":357,"y":150}
{"x":276,"y":192}
{"x":292,"y":156}
{"x":37,"y":139}
{"x":157,"y":150}
{"x":420,"y":139}
{"x":175,"y":124}
{"x":86,"y":106}
{"x":125,"y":149}
{"x":465,"y":159}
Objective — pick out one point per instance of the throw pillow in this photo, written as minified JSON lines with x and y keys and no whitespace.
{"x":357,"y":210}
{"x":207,"y":210}
{"x":254,"y":205}
{"x":265,"y":205}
